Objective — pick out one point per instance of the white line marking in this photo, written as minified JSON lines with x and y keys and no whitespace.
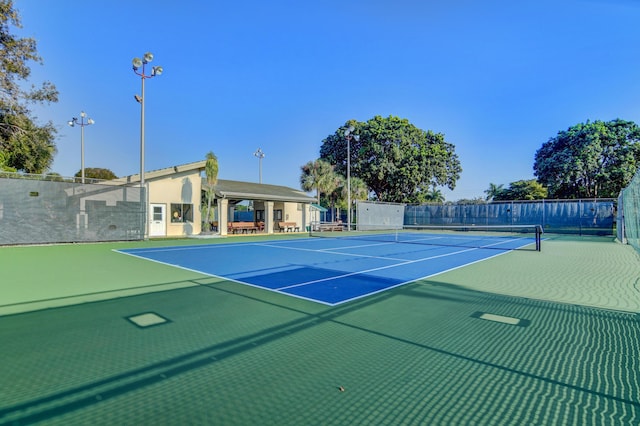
{"x":336,"y":253}
{"x":407,"y":262}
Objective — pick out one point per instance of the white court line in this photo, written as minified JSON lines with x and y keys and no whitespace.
{"x":406,"y":262}
{"x":336,"y":253}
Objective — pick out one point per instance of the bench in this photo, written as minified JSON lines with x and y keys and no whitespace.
{"x":330,"y":226}
{"x":242,"y":227}
{"x":288,"y":227}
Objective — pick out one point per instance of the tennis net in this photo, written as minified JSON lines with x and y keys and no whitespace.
{"x":498,"y":237}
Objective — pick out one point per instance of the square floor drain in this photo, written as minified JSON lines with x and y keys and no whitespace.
{"x":501,"y":319}
{"x":147,"y":319}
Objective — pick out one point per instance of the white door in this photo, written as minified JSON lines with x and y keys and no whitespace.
{"x":157,"y":220}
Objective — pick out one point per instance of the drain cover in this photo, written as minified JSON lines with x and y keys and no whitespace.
{"x":147,"y":319}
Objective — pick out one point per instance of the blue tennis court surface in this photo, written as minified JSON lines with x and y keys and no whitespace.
{"x":324,"y":270}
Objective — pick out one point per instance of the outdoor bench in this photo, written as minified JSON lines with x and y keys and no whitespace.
{"x":288,"y":227}
{"x":242,"y":227}
{"x":332,"y":226}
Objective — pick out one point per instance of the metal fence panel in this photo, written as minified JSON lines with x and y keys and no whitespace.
{"x":41,"y":211}
{"x":560,"y":216}
{"x":630,"y":220}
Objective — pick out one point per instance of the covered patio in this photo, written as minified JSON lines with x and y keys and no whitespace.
{"x":273,"y":208}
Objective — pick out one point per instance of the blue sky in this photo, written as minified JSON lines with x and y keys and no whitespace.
{"x":497,"y":78}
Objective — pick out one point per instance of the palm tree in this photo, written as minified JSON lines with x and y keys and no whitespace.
{"x":359,"y":191}
{"x":493,"y":191}
{"x":317,"y":175}
{"x":435,"y":196}
{"x":211,"y":172}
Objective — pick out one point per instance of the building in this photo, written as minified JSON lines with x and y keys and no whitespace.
{"x":175,"y":200}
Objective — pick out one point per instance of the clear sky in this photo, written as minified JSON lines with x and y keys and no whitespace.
{"x":497,"y":78}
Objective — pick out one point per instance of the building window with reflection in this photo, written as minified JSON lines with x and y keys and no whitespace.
{"x":181,"y":213}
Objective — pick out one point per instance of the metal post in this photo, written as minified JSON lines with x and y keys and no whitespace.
{"x":81,"y":123}
{"x":142,"y":134}
{"x":349,"y":183}
{"x":348,"y":134}
{"x":82,"y":153}
{"x":157,"y":70}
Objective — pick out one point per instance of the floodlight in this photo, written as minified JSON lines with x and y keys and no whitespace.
{"x":148,"y":57}
{"x":137,"y":63}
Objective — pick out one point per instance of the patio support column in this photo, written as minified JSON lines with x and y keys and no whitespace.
{"x":268,"y":217}
{"x":223,"y":215}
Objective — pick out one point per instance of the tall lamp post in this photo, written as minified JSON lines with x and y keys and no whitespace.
{"x":139,"y":69}
{"x":348,"y":134}
{"x":81,"y":123}
{"x":260,"y":154}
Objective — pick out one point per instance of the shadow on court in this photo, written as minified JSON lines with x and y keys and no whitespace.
{"x":233,"y":354}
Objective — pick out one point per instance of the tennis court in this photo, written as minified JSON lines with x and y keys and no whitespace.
{"x":337,"y":270}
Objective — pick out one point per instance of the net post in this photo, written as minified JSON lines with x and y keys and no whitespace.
{"x":538,"y":237}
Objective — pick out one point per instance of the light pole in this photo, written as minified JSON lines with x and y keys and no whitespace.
{"x":348,"y":134}
{"x":81,"y":123}
{"x":137,"y":64}
{"x":260,"y":154}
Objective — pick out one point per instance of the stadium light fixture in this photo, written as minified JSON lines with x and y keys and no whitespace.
{"x":82,"y":123}
{"x":260,"y":154}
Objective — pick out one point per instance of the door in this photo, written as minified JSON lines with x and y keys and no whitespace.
{"x":157,"y":221}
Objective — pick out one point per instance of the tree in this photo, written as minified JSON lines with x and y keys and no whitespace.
{"x":26,"y":145}
{"x":318,"y":175}
{"x":97,"y":173}
{"x":589,"y":159}
{"x":211,"y":173}
{"x":3,"y":164}
{"x":493,"y":191}
{"x":522,"y":190}
{"x":396,"y":160}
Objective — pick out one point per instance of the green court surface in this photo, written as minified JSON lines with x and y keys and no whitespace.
{"x":522,"y":338}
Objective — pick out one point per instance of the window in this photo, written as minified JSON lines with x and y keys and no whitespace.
{"x":157,"y":213}
{"x":277,"y":215}
{"x":181,"y":213}
{"x":260,"y":215}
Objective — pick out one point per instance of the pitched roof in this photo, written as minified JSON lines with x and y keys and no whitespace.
{"x":236,"y":190}
{"x":155,"y":174}
{"x":229,"y":189}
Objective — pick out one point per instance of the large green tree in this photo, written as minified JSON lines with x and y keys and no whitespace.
{"x":25,"y":145}
{"x":592,"y":159}
{"x":398,"y":161}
